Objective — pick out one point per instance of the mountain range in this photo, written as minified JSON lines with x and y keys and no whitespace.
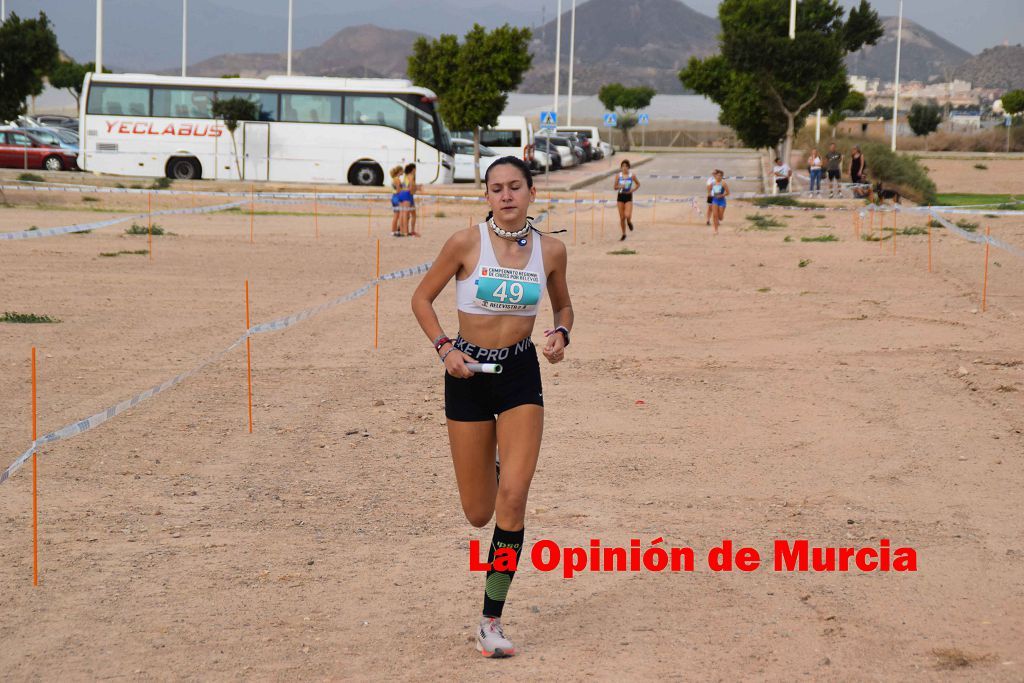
{"x":997,"y":67}
{"x":637,"y":42}
{"x":925,"y":55}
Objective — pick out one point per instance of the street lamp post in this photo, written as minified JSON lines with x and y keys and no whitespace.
{"x":99,"y":36}
{"x":289,"y":37}
{"x":572,"y":52}
{"x":184,"y":36}
{"x":896,"y":86}
{"x":792,"y":19}
{"x":558,"y":52}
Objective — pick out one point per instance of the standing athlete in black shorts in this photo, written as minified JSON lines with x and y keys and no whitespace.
{"x":834,"y":165}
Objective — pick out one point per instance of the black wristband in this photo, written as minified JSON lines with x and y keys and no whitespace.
{"x":565,"y":333}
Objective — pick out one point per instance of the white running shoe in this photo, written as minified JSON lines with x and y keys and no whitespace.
{"x":491,"y":641}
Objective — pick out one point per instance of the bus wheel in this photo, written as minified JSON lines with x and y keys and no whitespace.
{"x":184,"y":168}
{"x":366,"y":174}
{"x":53,"y":164}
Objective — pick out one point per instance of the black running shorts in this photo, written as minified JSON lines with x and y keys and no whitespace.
{"x":482,"y":397}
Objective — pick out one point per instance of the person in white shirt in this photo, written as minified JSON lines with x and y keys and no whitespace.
{"x":782,"y":173}
{"x":814,"y":162}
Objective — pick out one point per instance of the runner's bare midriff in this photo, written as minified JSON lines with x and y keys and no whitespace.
{"x":494,"y":331}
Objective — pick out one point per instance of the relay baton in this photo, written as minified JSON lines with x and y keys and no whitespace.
{"x":485,"y":368}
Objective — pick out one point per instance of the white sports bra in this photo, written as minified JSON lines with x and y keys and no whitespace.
{"x":492,"y":289}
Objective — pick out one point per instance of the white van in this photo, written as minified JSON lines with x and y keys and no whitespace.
{"x":594,"y":134}
{"x":513,"y":136}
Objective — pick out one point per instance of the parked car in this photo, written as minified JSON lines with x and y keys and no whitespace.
{"x":593,"y":134}
{"x":588,"y":149}
{"x":464,"y":159}
{"x":542,"y":161}
{"x":562,"y":145}
{"x":577,"y":148}
{"x":58,"y":137}
{"x":69,"y":122}
{"x":22,"y":150}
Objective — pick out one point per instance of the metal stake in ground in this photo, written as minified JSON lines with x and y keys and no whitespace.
{"x":35,"y":493}
{"x":252,"y":214}
{"x":376,"y":304}
{"x":984,"y":286}
{"x":248,"y":353}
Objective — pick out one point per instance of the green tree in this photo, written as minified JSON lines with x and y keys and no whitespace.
{"x":1013,"y":102}
{"x":627,"y":101}
{"x":924,"y":119}
{"x":764,"y":81}
{"x":854,"y":102}
{"x":472,"y":79}
{"x":28,"y":51}
{"x":70,"y":76}
{"x":231,"y":111}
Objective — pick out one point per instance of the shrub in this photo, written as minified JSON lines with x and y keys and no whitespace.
{"x":31,"y":178}
{"x":12,"y":317}
{"x":161,"y":183}
{"x":761,"y":222}
{"x":900,"y":171}
{"x":137,"y":229}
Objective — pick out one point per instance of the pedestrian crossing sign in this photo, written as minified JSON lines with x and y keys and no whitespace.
{"x":548,"y":119}
{"x":611,"y":120}
{"x":643,"y":120}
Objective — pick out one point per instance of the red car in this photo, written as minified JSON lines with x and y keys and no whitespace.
{"x":21,"y":150}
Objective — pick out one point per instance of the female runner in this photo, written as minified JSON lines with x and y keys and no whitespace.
{"x":501,"y":268}
{"x":396,"y":210}
{"x":411,"y":188}
{"x":626,"y":183}
{"x":718,"y":191}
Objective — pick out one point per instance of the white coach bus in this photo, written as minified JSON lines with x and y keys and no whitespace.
{"x":331,"y":130}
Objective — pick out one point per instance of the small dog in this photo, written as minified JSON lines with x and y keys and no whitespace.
{"x":884,"y":194}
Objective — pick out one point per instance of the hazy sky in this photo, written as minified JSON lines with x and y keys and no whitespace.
{"x":971,"y":24}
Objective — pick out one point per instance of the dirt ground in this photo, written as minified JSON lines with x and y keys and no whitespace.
{"x":714,"y":389}
{"x":1000,"y":176}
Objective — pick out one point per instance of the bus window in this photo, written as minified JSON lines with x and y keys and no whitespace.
{"x":311,"y":108}
{"x":183,"y":104}
{"x":375,"y":110}
{"x":118,"y":101}
{"x":425,"y":131}
{"x":266,"y":101}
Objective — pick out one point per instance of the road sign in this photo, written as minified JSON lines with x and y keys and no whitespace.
{"x":643,"y":120}
{"x":548,"y":120}
{"x":611,"y":120}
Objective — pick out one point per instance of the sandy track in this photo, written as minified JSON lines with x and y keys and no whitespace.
{"x":831,"y":407}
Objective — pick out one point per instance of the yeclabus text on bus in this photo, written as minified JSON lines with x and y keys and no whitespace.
{"x":330,"y":130}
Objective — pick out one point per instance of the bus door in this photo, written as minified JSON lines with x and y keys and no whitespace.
{"x":428,"y":158}
{"x":256,"y":150}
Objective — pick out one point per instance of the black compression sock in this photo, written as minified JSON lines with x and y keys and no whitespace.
{"x":499,"y":580}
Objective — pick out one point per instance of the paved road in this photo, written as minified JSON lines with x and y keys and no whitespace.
{"x":690,"y":163}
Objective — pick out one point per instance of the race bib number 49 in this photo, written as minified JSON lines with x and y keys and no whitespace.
{"x":506,"y":289}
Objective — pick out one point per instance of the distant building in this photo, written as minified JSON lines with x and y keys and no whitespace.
{"x":872,"y":128}
{"x":963,"y":122}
